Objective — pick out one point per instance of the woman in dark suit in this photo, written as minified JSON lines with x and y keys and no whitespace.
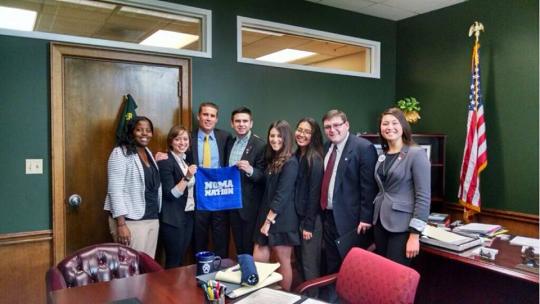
{"x":308,"y":137}
{"x":177,"y":214}
{"x":402,"y":204}
{"x":277,"y":217}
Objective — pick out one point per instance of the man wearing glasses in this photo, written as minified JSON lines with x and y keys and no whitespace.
{"x":348,"y":187}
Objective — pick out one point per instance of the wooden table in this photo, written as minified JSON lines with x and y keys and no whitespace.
{"x":505,"y":262}
{"x":451,"y":277}
{"x":176,"y":285}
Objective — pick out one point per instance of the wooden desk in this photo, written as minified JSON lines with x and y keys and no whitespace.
{"x":505,"y":262}
{"x":448,"y":277}
{"x":176,"y":285}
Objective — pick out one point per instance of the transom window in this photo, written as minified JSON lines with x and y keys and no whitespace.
{"x":135,"y":24}
{"x":281,"y":45}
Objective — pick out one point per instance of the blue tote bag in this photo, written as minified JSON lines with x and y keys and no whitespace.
{"x":218,"y":188}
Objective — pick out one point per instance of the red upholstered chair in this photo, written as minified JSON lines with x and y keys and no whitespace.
{"x":99,"y":263}
{"x":365,"y":277}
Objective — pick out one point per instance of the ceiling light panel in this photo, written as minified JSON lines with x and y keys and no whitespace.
{"x":17,"y":19}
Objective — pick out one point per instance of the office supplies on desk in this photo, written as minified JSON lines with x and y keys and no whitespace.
{"x":214,"y":292}
{"x":234,"y":274}
{"x":441,"y":238}
{"x":248,"y":269}
{"x":207,"y":262}
{"x":525,"y":241}
{"x":234,"y":290}
{"x":478,"y":228}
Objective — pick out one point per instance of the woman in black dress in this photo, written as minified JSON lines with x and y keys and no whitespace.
{"x":277,"y":218}
{"x":308,"y":138}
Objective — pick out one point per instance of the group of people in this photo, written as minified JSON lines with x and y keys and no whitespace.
{"x":296,"y":200}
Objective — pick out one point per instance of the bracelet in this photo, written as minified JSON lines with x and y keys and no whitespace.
{"x":271,"y":221}
{"x":120,"y":225}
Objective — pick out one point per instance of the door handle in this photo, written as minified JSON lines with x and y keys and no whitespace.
{"x":75,"y":200}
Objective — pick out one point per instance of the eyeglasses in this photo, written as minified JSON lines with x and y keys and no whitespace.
{"x":304,"y":131}
{"x":334,"y":126}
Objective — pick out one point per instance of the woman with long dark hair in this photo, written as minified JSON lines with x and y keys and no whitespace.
{"x":277,"y":219}
{"x":177,"y":213}
{"x":134,"y":189}
{"x":308,"y":138}
{"x":403,"y":175}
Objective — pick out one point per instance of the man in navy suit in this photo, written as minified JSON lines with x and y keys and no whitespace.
{"x":218,"y":140}
{"x":348,"y":186}
{"x":246,"y":152}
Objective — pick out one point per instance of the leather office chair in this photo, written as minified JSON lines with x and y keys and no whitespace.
{"x":99,"y":263}
{"x":365,"y":277}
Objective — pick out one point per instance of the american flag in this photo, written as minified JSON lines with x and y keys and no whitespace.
{"x":475,"y":153}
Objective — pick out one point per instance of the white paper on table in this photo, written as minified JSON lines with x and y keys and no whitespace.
{"x":267,"y":295}
{"x":444,"y":236}
{"x":525,"y":241}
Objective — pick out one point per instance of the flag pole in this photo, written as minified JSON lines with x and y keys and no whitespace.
{"x":475,"y":152}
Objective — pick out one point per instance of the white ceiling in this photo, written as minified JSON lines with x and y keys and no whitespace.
{"x":389,"y":9}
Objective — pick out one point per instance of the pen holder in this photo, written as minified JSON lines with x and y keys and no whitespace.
{"x":220,"y":300}
{"x":214,"y":292}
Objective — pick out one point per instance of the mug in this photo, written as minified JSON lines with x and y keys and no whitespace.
{"x":207,"y":262}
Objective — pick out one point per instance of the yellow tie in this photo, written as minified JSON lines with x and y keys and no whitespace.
{"x":206,"y":153}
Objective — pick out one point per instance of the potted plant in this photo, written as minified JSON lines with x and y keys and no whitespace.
{"x":411,"y":108}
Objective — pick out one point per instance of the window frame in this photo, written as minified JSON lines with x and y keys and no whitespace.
{"x":374,"y":46}
{"x":172,"y":8}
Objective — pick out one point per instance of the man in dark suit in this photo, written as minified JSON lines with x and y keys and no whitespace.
{"x":208,"y":149}
{"x":348,"y":186}
{"x":246,"y":152}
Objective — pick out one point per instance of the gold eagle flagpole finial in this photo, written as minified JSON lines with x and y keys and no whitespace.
{"x":475,"y":29}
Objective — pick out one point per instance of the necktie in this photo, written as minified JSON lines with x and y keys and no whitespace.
{"x":206,"y":152}
{"x":326,"y":178}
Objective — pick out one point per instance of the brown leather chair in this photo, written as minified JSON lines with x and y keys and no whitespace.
{"x":99,"y":263}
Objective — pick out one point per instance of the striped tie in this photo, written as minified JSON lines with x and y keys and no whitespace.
{"x":206,"y":152}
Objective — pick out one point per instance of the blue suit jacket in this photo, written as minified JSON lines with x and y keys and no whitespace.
{"x":354,"y":187}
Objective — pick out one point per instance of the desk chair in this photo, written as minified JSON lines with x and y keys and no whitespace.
{"x":99,"y":263}
{"x":365,"y":277}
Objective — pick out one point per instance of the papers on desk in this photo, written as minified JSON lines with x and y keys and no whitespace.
{"x":267,"y":295}
{"x":525,"y":241}
{"x":439,"y":237}
{"x":234,"y":275}
{"x":478,"y":228}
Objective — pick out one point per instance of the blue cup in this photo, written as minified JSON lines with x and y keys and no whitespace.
{"x":207,"y":262}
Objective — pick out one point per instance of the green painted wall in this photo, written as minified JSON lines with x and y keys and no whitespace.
{"x":434,"y":65}
{"x":272,"y":93}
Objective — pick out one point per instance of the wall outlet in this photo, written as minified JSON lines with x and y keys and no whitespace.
{"x":34,"y":166}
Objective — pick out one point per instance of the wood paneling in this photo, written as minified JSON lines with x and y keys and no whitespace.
{"x":517,"y":223}
{"x":25,"y":258}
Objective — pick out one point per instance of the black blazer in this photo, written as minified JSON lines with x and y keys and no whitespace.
{"x":354,"y":187}
{"x":279,"y":196}
{"x":222,"y":139}
{"x":252,"y":186}
{"x":172,"y":209}
{"x":308,"y":191}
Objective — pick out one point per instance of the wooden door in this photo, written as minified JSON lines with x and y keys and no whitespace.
{"x":88,"y":86}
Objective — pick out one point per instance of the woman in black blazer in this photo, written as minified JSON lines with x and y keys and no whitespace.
{"x":308,"y":137}
{"x":277,"y":218}
{"x":177,"y":178}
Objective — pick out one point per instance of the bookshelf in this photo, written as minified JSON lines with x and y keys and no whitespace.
{"x":435,"y":144}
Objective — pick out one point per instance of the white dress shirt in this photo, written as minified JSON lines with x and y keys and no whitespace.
{"x":339,"y":151}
